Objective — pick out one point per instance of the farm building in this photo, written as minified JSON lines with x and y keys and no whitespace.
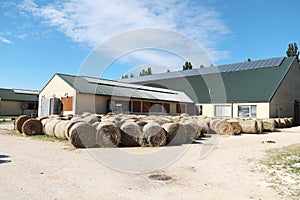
{"x":67,"y":94}
{"x":17,"y":102}
{"x":266,"y":88}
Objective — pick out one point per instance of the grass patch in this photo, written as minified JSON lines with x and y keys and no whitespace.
{"x":283,"y":169}
{"x":47,"y":137}
{"x":285,"y":158}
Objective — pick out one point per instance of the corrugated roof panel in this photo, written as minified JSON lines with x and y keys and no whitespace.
{"x":256,"y":85}
{"x":111,"y":88}
{"x":10,"y":94}
{"x":271,"y":62}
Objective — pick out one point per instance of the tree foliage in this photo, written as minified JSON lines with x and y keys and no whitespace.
{"x":145,"y":72}
{"x":187,"y":66}
{"x":292,"y":50}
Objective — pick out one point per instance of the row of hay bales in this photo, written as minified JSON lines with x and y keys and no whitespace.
{"x":91,"y":130}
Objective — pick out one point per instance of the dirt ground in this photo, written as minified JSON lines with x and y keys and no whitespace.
{"x":42,"y":169}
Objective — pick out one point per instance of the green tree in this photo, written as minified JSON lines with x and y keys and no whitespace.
{"x":202,"y":66}
{"x":187,"y":66}
{"x":168,"y":71}
{"x":131,"y":75}
{"x":149,"y":71}
{"x":292,"y":50}
{"x":249,"y":59}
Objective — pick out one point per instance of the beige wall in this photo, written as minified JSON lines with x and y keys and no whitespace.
{"x":262,"y":109}
{"x":58,"y":88}
{"x":282,"y":104}
{"x":13,"y":108}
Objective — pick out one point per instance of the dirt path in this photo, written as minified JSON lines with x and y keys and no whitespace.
{"x":38,"y":169}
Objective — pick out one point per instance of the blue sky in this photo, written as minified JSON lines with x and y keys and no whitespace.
{"x":42,"y":37}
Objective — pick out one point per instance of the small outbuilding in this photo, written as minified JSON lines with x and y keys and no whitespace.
{"x":68,"y":94}
{"x":15,"y":102}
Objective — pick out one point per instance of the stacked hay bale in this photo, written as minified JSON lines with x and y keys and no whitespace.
{"x":32,"y":127}
{"x":269,"y":125}
{"x":130,"y":133}
{"x":176,"y":134}
{"x":108,"y":134}
{"x":82,"y":135}
{"x":20,"y":121}
{"x":248,"y":126}
{"x":153,"y":135}
{"x":235,"y":124}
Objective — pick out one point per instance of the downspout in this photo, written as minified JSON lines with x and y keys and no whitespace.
{"x":231,"y":110}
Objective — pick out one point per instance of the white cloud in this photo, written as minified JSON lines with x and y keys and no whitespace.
{"x":92,"y":22}
{"x":5,"y":40}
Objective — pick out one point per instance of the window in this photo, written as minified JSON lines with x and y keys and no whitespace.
{"x":247,"y":111}
{"x":223,"y":110}
{"x":120,"y":106}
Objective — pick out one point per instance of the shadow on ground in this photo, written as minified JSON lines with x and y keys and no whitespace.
{"x":3,"y":159}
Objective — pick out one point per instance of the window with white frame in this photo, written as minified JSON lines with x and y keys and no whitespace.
{"x":223,"y":110}
{"x":247,"y":111}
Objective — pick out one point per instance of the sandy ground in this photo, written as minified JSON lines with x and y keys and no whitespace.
{"x":39,"y":169}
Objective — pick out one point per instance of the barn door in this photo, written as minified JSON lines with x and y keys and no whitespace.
{"x":44,"y":107}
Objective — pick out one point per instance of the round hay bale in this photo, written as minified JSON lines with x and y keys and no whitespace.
{"x":279,"y":123}
{"x":20,"y":121}
{"x":68,"y":128}
{"x":85,"y":114}
{"x":212,"y":126}
{"x":32,"y":127}
{"x":55,"y":116}
{"x":91,"y":119}
{"x":77,"y":118}
{"x":96,"y":124}
{"x":82,"y":135}
{"x":203,"y":125}
{"x":153,"y":135}
{"x":108,"y":134}
{"x":248,"y":126}
{"x":291,"y":121}
{"x":163,"y":120}
{"x":42,"y":118}
{"x":190,"y":131}
{"x":44,"y":122}
{"x":130,"y":133}
{"x":260,"y":126}
{"x":287,"y":122}
{"x":196,"y":126}
{"x":269,"y":125}
{"x":49,"y":127}
{"x":237,"y":129}
{"x":176,"y":134}
{"x":59,"y":129}
{"x":223,"y":127}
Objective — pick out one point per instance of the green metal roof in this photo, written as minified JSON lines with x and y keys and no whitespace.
{"x":251,"y":85}
{"x":18,"y":95}
{"x":90,"y":85}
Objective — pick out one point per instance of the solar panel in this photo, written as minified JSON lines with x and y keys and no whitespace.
{"x":127,"y":85}
{"x":271,"y":62}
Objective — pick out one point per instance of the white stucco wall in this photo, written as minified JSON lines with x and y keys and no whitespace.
{"x":282,"y":104}
{"x":262,"y":109}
